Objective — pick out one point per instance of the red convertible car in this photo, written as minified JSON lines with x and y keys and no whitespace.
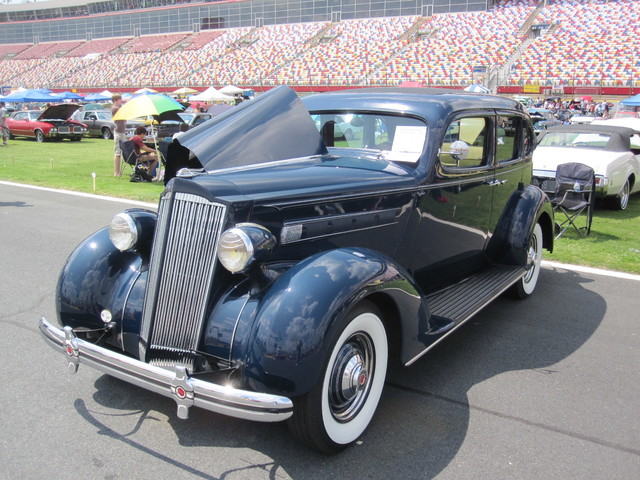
{"x":50,"y":123}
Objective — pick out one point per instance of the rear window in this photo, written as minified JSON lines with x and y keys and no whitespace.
{"x":575,"y":139}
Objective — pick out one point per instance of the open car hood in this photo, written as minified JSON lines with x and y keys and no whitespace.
{"x":59,"y":112}
{"x":274,"y":126}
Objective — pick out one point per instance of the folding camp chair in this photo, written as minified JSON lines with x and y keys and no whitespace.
{"x":132,"y":160}
{"x":128,"y":156}
{"x":574,"y":197}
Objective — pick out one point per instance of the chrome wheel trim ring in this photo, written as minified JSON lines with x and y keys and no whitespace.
{"x":351,"y":373}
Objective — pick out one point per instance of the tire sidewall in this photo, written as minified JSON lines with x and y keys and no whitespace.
{"x":623,"y":199}
{"x":362,"y":319}
{"x":529,"y":286}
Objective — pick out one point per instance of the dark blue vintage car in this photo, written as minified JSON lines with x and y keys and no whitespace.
{"x":291,"y":261}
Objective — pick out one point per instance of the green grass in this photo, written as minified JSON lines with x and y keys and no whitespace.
{"x":69,"y":165}
{"x":614,"y":242}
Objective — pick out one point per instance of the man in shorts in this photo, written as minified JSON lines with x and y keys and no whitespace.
{"x":119,"y":134}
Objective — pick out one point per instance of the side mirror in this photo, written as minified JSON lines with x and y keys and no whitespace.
{"x":458,"y":150}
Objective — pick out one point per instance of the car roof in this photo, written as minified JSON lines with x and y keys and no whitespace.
{"x":429,"y":103}
{"x":628,"y":122}
{"x":591,"y":128}
{"x":619,"y":137}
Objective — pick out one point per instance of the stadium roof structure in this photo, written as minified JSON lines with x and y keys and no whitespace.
{"x":21,"y":7}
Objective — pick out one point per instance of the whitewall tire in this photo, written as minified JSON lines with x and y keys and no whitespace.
{"x":340,"y":407}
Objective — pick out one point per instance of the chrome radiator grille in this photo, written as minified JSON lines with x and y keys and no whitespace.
{"x":182,"y":265}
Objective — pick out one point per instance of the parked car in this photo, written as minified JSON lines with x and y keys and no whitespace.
{"x":98,"y":122}
{"x":51,"y":123}
{"x":164,"y":126}
{"x":193,"y":119}
{"x":612,"y":151}
{"x":277,"y":281}
{"x":542,"y":119}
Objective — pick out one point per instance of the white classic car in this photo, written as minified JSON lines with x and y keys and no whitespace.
{"x":612,"y":151}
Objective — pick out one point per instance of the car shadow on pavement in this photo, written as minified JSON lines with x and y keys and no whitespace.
{"x":423,"y":417}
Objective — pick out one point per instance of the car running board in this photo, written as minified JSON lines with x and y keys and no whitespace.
{"x":458,"y":303}
{"x":454,"y":305}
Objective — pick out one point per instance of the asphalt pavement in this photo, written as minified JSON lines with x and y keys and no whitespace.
{"x":545,"y":388}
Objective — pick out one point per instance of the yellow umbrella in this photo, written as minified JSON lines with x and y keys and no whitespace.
{"x":150,"y":104}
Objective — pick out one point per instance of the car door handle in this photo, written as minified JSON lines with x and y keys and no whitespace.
{"x":496,"y":182}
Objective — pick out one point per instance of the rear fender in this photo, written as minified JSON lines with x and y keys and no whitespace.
{"x":525,"y":208}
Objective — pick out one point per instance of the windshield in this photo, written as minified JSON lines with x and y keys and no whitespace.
{"x":397,"y":138}
{"x":575,"y":139}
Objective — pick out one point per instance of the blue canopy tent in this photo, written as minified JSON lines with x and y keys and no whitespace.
{"x":97,"y":97}
{"x":34,"y":96}
{"x":69,"y":96}
{"x":632,"y":101}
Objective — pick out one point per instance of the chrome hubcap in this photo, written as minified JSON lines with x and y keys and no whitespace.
{"x":624,"y":195}
{"x":350,"y":377}
{"x":532,"y":257}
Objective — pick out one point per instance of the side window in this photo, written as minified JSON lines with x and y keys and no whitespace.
{"x":508,"y":138}
{"x":471,"y":133}
{"x":529,"y":140}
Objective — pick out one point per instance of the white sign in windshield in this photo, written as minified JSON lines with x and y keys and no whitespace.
{"x":407,"y":143}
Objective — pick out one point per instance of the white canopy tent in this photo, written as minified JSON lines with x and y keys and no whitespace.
{"x":231,"y":90}
{"x":210,"y":95}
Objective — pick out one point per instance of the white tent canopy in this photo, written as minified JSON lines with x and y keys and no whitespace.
{"x":231,"y":90}
{"x":145,"y":90}
{"x":210,"y":95}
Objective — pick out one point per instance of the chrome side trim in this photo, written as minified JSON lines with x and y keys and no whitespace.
{"x":177,"y":384}
{"x":329,"y":225}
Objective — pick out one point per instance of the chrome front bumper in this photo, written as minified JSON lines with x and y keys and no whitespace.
{"x":177,"y":384}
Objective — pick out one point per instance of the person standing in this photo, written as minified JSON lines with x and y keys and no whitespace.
{"x":4,"y":131}
{"x":119,"y":134}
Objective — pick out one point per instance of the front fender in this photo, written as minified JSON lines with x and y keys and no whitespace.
{"x":98,"y":276}
{"x":525,"y":208}
{"x":286,"y":347}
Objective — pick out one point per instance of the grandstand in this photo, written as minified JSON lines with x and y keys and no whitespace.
{"x":512,"y":46}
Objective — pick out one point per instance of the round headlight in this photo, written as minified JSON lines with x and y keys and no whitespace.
{"x":123,"y":232}
{"x":235,"y":250}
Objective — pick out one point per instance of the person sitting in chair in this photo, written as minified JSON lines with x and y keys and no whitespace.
{"x":146,"y":155}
